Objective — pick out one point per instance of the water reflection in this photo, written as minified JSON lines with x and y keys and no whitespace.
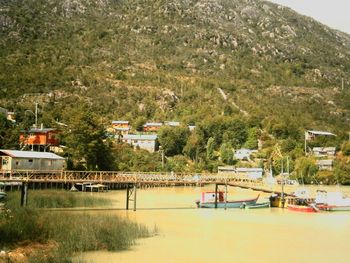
{"x":188,"y":234}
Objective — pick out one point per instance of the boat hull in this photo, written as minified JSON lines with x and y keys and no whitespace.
{"x":258,"y":206}
{"x":333,"y":208}
{"x":228,"y":204}
{"x":2,"y":195}
{"x":302,"y":208}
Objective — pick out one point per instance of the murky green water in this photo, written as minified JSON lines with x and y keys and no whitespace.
{"x":188,"y":234}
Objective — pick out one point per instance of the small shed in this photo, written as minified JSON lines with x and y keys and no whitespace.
{"x":28,"y":160}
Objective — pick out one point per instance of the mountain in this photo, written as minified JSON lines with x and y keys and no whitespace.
{"x":174,"y":60}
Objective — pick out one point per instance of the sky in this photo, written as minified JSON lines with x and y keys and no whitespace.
{"x":333,"y":13}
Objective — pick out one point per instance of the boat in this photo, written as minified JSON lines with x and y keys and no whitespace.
{"x":332,"y":201}
{"x":301,"y":205}
{"x":208,"y":201}
{"x":2,"y":191}
{"x":96,"y":188}
{"x":256,"y":206}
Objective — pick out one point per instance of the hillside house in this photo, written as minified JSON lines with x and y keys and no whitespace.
{"x":143,"y":141}
{"x":152,"y":126}
{"x":10,"y":115}
{"x":121,"y":127}
{"x":40,"y":139}
{"x":250,"y":173}
{"x":323,"y":151}
{"x":325,"y":165}
{"x":172,"y":123}
{"x":244,"y":154}
{"x":310,"y":135}
{"x":191,"y":127}
{"x":27,"y":160}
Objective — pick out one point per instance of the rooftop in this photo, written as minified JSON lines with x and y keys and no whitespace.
{"x":31,"y":154}
{"x":153,"y":124}
{"x":321,"y":133}
{"x":139,"y":137}
{"x":120,"y":122}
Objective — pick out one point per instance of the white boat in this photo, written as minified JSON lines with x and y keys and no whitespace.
{"x":332,"y":201}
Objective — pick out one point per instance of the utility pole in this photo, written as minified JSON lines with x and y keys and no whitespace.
{"x":36,"y":115}
{"x":342,"y":83}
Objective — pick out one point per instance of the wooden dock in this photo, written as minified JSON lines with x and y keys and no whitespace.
{"x":124,"y":180}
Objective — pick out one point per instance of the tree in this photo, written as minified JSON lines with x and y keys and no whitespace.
{"x":85,"y":141}
{"x":306,"y":167}
{"x":9,"y":134}
{"x":210,"y":149}
{"x":226,"y":153}
{"x":252,"y":140}
{"x":173,"y":139}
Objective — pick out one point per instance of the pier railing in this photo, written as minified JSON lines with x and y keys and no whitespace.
{"x":63,"y":176}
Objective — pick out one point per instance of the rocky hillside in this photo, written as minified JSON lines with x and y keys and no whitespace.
{"x":166,"y":60}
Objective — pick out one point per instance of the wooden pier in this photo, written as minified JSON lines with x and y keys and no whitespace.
{"x":123,"y":180}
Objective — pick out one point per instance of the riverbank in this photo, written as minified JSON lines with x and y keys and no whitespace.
{"x":33,"y":235}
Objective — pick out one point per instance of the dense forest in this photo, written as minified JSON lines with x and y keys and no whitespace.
{"x":241,"y":71}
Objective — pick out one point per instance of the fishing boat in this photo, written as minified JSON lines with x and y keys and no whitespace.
{"x":301,"y":205}
{"x":332,"y":201}
{"x":218,"y":200}
{"x":2,"y":191}
{"x":256,"y":206}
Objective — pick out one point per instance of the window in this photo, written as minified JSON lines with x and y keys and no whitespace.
{"x":30,"y":160}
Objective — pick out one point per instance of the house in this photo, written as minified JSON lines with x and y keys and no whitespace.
{"x":325,"y":165}
{"x":10,"y":115}
{"x":251,"y":173}
{"x":172,"y":123}
{"x":152,"y":126}
{"x":40,"y":139}
{"x":122,"y":127}
{"x":191,"y":127}
{"x":27,"y":160}
{"x":323,"y":151}
{"x":310,"y":135}
{"x":244,"y":154}
{"x":144,"y":141}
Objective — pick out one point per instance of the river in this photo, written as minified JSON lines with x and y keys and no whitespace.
{"x":189,"y":234}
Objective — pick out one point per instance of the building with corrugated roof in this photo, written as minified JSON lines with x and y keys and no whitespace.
{"x":152,"y":126}
{"x":122,"y":127}
{"x":143,"y":141}
{"x":28,"y":160}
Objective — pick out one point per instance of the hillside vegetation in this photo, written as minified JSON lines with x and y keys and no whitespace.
{"x":99,"y":60}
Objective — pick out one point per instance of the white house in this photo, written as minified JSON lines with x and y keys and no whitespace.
{"x":244,"y":154}
{"x":325,"y":165}
{"x":28,"y":160}
{"x":144,"y":141}
{"x":323,"y":151}
{"x":251,"y":173}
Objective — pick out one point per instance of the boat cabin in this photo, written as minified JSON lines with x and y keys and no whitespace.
{"x":208,"y":197}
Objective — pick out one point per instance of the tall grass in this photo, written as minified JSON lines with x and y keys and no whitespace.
{"x":58,"y":199}
{"x":72,"y":231}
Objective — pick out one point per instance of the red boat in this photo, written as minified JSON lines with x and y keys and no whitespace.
{"x":302,"y":208}
{"x":302,"y":205}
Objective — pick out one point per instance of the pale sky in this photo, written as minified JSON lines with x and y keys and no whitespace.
{"x":333,"y":13}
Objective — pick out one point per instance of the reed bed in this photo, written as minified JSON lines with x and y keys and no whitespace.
{"x":73,"y":232}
